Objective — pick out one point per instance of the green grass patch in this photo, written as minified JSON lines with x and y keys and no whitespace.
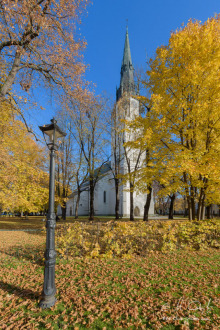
{"x":156,"y":291}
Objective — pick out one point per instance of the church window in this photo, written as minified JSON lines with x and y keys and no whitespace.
{"x":104,"y":197}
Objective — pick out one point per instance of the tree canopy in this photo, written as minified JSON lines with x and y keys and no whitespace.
{"x":183,"y":124}
{"x":23,"y":176}
{"x":39,"y":40}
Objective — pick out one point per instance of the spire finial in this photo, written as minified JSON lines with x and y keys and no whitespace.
{"x":127,"y":25}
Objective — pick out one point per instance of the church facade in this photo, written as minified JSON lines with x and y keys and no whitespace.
{"x":105,"y":196}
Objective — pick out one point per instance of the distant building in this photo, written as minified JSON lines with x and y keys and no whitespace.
{"x":104,"y":201}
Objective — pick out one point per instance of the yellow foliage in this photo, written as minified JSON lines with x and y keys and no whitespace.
{"x":181,"y":129}
{"x":129,"y":239}
{"x":23,"y":181}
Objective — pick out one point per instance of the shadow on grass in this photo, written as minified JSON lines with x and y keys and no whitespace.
{"x":26,"y":253}
{"x":20,"y":292}
{"x":21,"y":223}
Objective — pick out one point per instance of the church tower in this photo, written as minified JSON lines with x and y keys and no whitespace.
{"x":111,"y":190}
{"x":127,"y":107}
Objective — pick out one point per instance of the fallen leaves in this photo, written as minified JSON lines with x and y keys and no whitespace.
{"x":155,"y":291}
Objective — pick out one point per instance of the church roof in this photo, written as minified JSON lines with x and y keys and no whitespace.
{"x":127,"y":71}
{"x":127,"y":52}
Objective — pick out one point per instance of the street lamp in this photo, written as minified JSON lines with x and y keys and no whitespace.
{"x":51,"y":133}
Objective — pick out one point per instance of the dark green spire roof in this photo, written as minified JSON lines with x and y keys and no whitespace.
{"x":127,"y":52}
{"x":127,"y":71}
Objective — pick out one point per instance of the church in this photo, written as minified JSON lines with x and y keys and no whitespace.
{"x":105,"y":196}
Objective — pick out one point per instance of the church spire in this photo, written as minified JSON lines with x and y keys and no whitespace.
{"x":127,"y":71}
{"x":127,"y":52}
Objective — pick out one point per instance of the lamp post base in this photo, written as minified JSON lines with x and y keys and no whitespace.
{"x":47,"y":302}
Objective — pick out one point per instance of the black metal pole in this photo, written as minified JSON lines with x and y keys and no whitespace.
{"x":49,"y":289}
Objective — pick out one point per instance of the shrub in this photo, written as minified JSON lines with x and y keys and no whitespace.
{"x":126,"y":239}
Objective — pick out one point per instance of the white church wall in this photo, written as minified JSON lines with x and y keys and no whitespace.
{"x":134,"y":105}
{"x":108,"y":207}
{"x":139,"y":199}
{"x":139,"y":202}
{"x":106,"y":184}
{"x":104,"y":204}
{"x":83,"y":204}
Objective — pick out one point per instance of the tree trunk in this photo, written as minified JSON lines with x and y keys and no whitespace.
{"x":209,"y":211}
{"x":203,"y":209}
{"x":131,"y":202}
{"x":91,"y":208}
{"x":117,"y":198}
{"x":171,"y":208}
{"x":201,"y":203}
{"x":63,"y":208}
{"x":147,"y":204}
{"x":191,"y":201}
{"x":189,"y":194}
{"x":185,"y":207}
{"x":199,"y":210}
{"x":193,"y":205}
{"x":189,"y":207}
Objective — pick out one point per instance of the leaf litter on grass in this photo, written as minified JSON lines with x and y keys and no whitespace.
{"x":160,"y":291}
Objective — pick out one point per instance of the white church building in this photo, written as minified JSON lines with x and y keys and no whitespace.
{"x":105,"y":196}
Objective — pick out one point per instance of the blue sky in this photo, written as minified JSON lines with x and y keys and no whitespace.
{"x":150,"y":23}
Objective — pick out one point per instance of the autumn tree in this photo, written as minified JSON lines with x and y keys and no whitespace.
{"x":146,"y":169}
{"x":23,"y":175}
{"x":39,"y":42}
{"x":64,"y":166}
{"x":164,"y":201}
{"x":185,"y":97}
{"x":133,"y":163}
{"x":117,"y":156}
{"x":70,"y":173}
{"x":81,"y":176}
{"x":89,"y":131}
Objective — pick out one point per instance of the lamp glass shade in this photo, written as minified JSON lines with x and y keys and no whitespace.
{"x":52,"y":132}
{"x":49,"y":136}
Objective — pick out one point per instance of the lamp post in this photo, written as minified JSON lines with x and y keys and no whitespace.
{"x":51,"y":133}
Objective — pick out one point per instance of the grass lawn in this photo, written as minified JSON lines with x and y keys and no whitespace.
{"x":160,"y":291}
{"x":35,"y":222}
